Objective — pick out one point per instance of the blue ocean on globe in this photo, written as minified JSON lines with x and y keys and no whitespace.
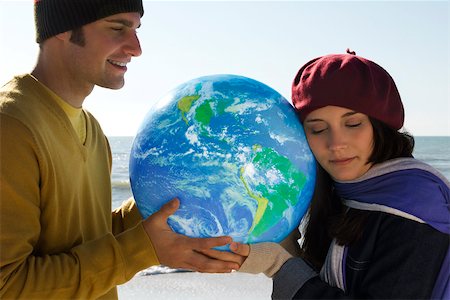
{"x":233,"y":151}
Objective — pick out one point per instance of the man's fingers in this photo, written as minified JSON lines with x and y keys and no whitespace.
{"x":170,"y":207}
{"x":202,"y":263}
{"x":166,"y":211}
{"x":225,"y":256}
{"x":182,"y":252}
{"x":199,"y":255}
{"x":201,"y":244}
{"x":241,"y":249}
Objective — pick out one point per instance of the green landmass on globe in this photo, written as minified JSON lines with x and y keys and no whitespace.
{"x":233,"y":151}
{"x":280,"y":193}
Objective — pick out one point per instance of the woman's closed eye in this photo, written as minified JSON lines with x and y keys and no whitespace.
{"x":318,"y":130}
{"x":352,"y":125}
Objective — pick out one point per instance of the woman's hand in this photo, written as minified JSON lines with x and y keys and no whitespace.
{"x":264,"y":258}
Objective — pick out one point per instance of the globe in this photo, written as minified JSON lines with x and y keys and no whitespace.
{"x":233,"y":151}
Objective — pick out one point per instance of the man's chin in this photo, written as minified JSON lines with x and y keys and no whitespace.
{"x":110,"y":86}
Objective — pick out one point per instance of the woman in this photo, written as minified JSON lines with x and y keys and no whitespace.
{"x":379,"y":223}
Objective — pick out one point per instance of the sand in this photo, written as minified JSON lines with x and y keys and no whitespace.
{"x":169,"y":285}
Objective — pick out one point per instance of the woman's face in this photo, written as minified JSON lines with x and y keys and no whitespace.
{"x":341,"y":140}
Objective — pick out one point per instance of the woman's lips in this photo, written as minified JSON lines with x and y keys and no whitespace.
{"x":342,"y":161}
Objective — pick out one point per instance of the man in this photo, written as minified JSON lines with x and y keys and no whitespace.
{"x":58,"y":238}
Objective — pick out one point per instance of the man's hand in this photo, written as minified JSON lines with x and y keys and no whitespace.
{"x":181,"y":252}
{"x":243,"y":250}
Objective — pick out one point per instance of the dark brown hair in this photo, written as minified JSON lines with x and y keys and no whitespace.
{"x":77,"y":37}
{"x":327,"y":218}
{"x":389,"y":143}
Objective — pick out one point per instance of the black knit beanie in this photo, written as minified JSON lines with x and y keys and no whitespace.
{"x":56,"y":16}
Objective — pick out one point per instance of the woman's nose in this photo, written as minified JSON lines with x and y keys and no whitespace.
{"x":336,"y":141}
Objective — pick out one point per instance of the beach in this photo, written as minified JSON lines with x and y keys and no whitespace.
{"x":163,"y":283}
{"x":193,"y":285}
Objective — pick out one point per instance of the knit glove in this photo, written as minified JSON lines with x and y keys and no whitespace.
{"x":265,"y":258}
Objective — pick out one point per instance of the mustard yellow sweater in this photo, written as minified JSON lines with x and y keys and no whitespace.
{"x":58,"y":237}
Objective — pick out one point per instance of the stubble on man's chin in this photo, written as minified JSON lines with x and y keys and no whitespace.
{"x":110,"y":86}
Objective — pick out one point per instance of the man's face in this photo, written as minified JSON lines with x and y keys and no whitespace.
{"x":99,"y":52}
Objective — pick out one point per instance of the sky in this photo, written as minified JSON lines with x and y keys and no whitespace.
{"x":265,"y":40}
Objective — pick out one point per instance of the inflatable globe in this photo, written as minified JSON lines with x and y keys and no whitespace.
{"x":233,"y":151}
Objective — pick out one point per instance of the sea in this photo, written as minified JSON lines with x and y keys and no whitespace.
{"x":434,"y":150}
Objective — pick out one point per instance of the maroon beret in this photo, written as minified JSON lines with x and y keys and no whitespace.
{"x":349,"y":81}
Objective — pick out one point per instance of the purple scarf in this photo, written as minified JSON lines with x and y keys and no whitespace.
{"x":410,"y":188}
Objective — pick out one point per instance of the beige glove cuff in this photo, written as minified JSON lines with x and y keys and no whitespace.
{"x":265,"y":258}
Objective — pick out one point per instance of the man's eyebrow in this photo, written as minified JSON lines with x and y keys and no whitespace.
{"x":123,"y":22}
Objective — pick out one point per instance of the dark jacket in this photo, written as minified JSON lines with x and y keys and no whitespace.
{"x":396,"y":258}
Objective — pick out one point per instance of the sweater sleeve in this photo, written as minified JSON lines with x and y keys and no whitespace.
{"x":126,"y":216}
{"x":83,"y":270}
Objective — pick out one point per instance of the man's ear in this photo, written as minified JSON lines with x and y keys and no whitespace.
{"x":64,"y":36}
